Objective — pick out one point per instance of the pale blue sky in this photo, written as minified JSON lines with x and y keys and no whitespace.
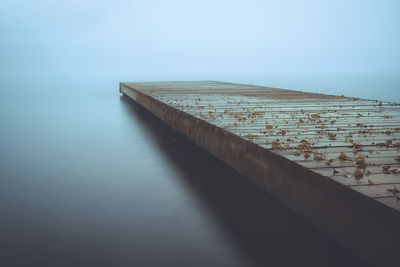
{"x":200,"y":35}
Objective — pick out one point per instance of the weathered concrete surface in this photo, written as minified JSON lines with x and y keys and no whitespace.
{"x":361,"y":214}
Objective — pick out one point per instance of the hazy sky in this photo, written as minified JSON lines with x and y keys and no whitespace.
{"x":200,"y":35}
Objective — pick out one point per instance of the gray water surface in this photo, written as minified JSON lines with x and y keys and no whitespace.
{"x":89,"y":179}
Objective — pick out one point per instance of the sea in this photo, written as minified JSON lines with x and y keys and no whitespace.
{"x":88,"y":178}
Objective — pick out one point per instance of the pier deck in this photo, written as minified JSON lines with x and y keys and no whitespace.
{"x":333,"y":159}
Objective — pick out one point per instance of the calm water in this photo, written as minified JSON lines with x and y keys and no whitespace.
{"x":88,"y":179}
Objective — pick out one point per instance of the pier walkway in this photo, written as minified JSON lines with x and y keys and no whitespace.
{"x":333,"y":159}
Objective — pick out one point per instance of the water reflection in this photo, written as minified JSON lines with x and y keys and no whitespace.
{"x":260,"y":228}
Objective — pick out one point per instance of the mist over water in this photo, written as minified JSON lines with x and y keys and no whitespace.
{"x":336,"y":47}
{"x":380,"y":85}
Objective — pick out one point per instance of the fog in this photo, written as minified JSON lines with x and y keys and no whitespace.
{"x":337,"y":47}
{"x":181,"y":36}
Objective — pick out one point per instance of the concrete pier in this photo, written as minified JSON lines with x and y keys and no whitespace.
{"x":333,"y":159}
